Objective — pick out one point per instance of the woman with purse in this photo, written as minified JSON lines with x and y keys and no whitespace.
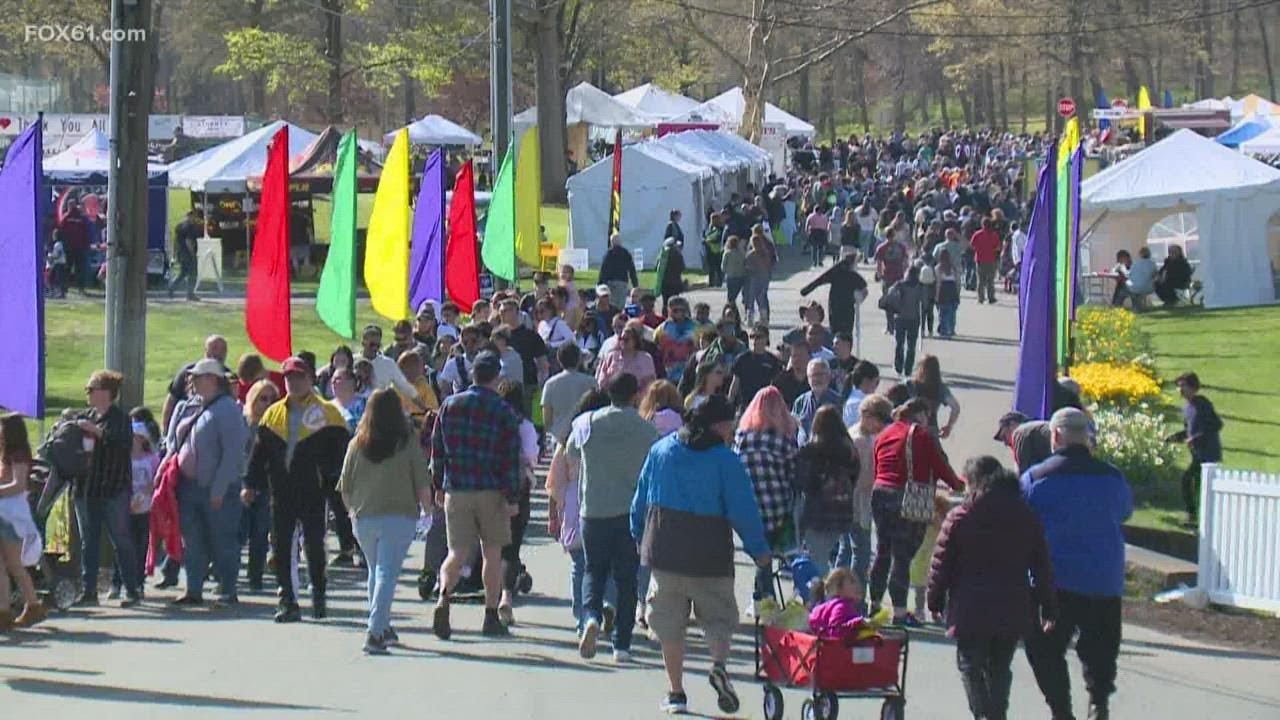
{"x":909,"y":462}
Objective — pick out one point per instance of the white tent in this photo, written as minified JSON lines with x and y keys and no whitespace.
{"x":90,"y":155}
{"x":727,"y":108}
{"x":690,"y":171}
{"x":653,"y":100}
{"x":1268,"y":143}
{"x":436,"y":130}
{"x":587,"y":104}
{"x":1232,"y":197}
{"x":225,"y":167}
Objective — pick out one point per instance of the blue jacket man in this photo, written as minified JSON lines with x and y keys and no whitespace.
{"x":1082,"y":503}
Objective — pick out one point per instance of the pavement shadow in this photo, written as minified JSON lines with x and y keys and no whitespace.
{"x":57,"y":670}
{"x":1200,"y":651}
{"x":977,"y":382}
{"x":111,"y":693}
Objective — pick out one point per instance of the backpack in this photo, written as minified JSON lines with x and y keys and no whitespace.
{"x":64,"y":450}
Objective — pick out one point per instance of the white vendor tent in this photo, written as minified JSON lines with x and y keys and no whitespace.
{"x":436,"y":130}
{"x":653,"y":100}
{"x":88,"y":156}
{"x":223,"y":169}
{"x":1265,"y":143}
{"x":1232,"y":197}
{"x":589,"y":105}
{"x":692,"y":172}
{"x":727,"y":108}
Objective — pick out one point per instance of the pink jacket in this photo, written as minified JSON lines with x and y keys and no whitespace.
{"x":836,"y":618}
{"x":164,"y":513}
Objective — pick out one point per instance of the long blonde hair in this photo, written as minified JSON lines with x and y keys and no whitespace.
{"x":661,"y":395}
{"x":251,"y":400}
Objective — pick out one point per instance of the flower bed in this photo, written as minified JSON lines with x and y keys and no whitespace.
{"x":1109,"y":383}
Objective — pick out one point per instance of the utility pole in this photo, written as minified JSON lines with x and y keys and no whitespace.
{"x":132,"y":78}
{"x":500,"y":80}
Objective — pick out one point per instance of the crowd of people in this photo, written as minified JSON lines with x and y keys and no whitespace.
{"x":667,"y":430}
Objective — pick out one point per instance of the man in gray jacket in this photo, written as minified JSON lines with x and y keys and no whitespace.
{"x":211,"y":454}
{"x":612,"y":444}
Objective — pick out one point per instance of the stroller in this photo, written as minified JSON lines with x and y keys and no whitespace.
{"x":56,"y":576}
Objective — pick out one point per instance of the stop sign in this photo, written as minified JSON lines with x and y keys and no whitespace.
{"x":1066,"y":107}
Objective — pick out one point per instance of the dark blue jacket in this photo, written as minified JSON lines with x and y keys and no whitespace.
{"x":1082,"y":502}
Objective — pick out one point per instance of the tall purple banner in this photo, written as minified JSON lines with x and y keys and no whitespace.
{"x":22,"y":276}
{"x":1033,"y":390}
{"x":1077,"y":170}
{"x":426,"y":248}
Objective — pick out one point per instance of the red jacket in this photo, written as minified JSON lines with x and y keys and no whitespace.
{"x":927,"y":459}
{"x":164,"y":513}
{"x":986,"y":246}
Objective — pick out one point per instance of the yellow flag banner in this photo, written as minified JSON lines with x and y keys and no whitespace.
{"x":529,"y":200}
{"x":386,"y":259}
{"x":1144,"y":103}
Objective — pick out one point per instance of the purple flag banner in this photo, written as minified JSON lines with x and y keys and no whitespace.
{"x":426,"y":245}
{"x":22,"y":276}
{"x":1033,"y":390}
{"x":1073,"y":248}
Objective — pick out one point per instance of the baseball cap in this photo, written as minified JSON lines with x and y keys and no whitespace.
{"x":602,"y":290}
{"x":207,"y":366}
{"x":295,"y":365}
{"x":426,"y":306}
{"x":1013,"y":417}
{"x":1070,"y":420}
{"x":487,"y":363}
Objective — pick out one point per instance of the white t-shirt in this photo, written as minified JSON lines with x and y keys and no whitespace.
{"x":867,"y":223}
{"x":451,"y":375}
{"x":555,"y":333}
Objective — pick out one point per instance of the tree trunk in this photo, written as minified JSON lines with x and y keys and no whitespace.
{"x":1266,"y":52}
{"x":804,"y":93}
{"x":757,"y":78}
{"x":1023,"y":98}
{"x":1004,"y":98}
{"x":333,"y":56}
{"x":257,"y":81}
{"x":861,"y":80}
{"x":552,"y":134}
{"x":826,"y":103}
{"x":1205,"y":61}
{"x":942,"y":102}
{"x":899,"y":83}
{"x":966,"y":107}
{"x":1236,"y":42}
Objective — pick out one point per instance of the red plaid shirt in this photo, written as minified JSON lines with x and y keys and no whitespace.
{"x":476,"y":444}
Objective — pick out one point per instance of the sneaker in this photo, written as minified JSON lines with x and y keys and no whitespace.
{"x":374,"y":645}
{"x":726,"y":698}
{"x":621,"y":656}
{"x":440,"y":620}
{"x":342,"y":559}
{"x":32,"y":614}
{"x":506,"y":615}
{"x":130,"y":599}
{"x":288,"y":614}
{"x":166,"y":583}
{"x":493,"y":626}
{"x":607,"y":615}
{"x":674,"y":704}
{"x":909,"y":621}
{"x":390,"y":636}
{"x":587,"y":645}
{"x":86,"y":599}
{"x":187,"y":600}
{"x":114,"y":593}
{"x":319,"y":608}
{"x":226,"y":603}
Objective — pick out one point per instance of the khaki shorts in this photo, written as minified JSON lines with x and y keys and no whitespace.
{"x":476,"y":515}
{"x":711,"y":598}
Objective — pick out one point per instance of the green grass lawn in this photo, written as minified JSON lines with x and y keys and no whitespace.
{"x":1233,"y":352}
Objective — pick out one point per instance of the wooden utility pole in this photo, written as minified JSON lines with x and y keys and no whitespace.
{"x":132,"y":79}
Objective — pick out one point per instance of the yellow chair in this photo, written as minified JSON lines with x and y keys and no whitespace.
{"x":549,"y":254}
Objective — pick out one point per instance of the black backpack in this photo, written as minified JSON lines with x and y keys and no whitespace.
{"x":63,"y":449}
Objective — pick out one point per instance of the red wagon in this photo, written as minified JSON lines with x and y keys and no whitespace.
{"x":832,"y":669}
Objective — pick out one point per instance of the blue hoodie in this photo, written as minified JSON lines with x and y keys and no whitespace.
{"x":1082,"y":502}
{"x":687,"y":505}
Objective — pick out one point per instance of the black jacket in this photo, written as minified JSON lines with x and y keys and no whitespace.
{"x":618,"y":266}
{"x":317,"y":456}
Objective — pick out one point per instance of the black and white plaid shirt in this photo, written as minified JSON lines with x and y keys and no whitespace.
{"x":770,"y":460}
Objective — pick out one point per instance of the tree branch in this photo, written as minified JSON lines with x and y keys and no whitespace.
{"x":706,"y":37}
{"x":813,"y":57}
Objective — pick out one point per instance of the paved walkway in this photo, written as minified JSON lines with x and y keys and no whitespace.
{"x":153,"y":662}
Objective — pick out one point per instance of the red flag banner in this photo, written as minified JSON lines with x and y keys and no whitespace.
{"x":615,"y":200}
{"x":461,"y":264}
{"x":266,"y":307}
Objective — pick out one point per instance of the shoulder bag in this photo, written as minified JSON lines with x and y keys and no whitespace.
{"x":917,"y":497}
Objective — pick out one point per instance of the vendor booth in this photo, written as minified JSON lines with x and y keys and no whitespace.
{"x":587,"y":107}
{"x":653,"y":100}
{"x":1232,"y":197}
{"x":436,"y":130}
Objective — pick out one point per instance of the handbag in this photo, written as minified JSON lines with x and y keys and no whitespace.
{"x":917,"y":497}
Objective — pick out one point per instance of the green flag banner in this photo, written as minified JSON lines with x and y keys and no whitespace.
{"x":499,"y":248}
{"x":336,"y":298}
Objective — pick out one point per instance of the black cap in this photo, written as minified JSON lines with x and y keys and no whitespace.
{"x":1013,"y":417}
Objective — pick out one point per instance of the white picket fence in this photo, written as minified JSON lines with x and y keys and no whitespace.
{"x":1240,"y":538}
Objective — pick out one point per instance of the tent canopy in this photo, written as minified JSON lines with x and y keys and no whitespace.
{"x":1232,"y":196}
{"x":692,"y":172}
{"x":587,"y":104}
{"x":312,"y":169}
{"x":225,"y":168}
{"x":653,"y":100}
{"x":1243,"y":131}
{"x":727,"y":108}
{"x":1264,"y":143}
{"x":436,"y":130}
{"x":87,"y":159}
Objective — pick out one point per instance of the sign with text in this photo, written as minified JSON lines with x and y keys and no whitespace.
{"x":213,"y":126}
{"x":1066,"y":107}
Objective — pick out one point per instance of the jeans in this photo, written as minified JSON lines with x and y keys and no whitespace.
{"x":888,"y":312}
{"x":1191,"y":488}
{"x":815,"y":253}
{"x":577,"y":586}
{"x":987,"y":282}
{"x":855,"y":552}
{"x":255,"y":529}
{"x":906,"y":334}
{"x":970,"y":269}
{"x":926,"y":314}
{"x":186,"y":276}
{"x":140,"y":536}
{"x":210,"y":535}
{"x":947,"y":319}
{"x":611,"y":551}
{"x":79,"y":259}
{"x":1097,"y":619}
{"x":897,"y":541}
{"x":822,"y":545}
{"x":94,"y":514}
{"x":385,"y":540}
{"x":733,"y":287}
{"x":984,"y":662}
{"x":757,"y":297}
{"x":715,"y":276}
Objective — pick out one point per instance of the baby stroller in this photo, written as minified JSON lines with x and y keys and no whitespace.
{"x":56,"y":576}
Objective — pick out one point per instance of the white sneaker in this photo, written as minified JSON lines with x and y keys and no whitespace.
{"x":587,"y":645}
{"x":621,"y":656}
